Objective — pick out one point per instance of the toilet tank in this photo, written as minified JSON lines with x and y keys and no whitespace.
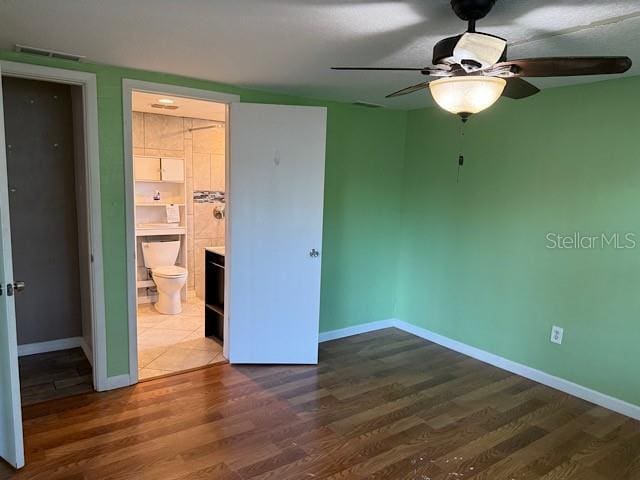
{"x":160,"y":254}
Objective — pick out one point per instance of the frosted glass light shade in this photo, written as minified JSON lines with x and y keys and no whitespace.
{"x":467,"y":95}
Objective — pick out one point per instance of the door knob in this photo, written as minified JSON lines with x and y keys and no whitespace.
{"x":314,"y":253}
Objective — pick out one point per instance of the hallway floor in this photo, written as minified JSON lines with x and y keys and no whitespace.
{"x":174,"y":343}
{"x":54,"y":375}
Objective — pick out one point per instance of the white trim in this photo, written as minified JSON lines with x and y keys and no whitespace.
{"x":566,"y":386}
{"x":228,"y":197}
{"x":87,"y":81}
{"x":539,"y":376}
{"x":128,"y":87}
{"x":11,"y":435}
{"x":86,"y":349}
{"x":118,"y":381}
{"x":47,"y":74}
{"x":50,"y":346}
{"x":356,"y":330}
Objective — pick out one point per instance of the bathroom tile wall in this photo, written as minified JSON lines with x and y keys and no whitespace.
{"x":204,"y":154}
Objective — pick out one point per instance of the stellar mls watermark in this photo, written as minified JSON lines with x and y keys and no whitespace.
{"x":600,"y":241}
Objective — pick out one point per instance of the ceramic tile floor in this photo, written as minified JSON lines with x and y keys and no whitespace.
{"x":172,"y":343}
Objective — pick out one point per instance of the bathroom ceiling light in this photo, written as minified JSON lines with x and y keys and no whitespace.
{"x":164,"y":107}
{"x":466,"y":95}
{"x":165,"y":103}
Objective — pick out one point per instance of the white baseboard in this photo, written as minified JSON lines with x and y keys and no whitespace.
{"x":119,"y":381}
{"x":86,"y":348}
{"x":566,"y":386}
{"x":50,"y":346}
{"x":356,"y":330}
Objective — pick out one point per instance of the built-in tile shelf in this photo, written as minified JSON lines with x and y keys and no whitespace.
{"x":157,"y":204}
{"x":164,"y":179}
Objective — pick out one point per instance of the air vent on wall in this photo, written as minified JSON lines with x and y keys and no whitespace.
{"x":367,"y":104}
{"x":48,"y":53}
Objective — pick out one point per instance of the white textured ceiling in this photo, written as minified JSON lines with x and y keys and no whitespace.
{"x":288,"y":45}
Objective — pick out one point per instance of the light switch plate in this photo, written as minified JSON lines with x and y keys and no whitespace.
{"x":557,"y":334}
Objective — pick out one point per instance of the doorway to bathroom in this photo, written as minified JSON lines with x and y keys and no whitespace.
{"x":253,"y":210}
{"x":178,"y":150}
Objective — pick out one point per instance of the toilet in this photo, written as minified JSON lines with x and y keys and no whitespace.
{"x":160,"y":258}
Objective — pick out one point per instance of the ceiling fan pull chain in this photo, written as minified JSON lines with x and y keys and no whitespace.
{"x":461,"y":150}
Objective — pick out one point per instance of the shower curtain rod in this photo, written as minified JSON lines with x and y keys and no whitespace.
{"x":218,"y":124}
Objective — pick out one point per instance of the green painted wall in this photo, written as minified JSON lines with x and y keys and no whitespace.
{"x":474,"y":264}
{"x":466,"y":260}
{"x":365,"y":149}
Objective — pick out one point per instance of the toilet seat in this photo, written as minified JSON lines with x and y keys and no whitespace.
{"x":171,"y":271}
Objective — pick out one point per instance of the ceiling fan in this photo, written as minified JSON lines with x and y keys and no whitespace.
{"x":473,"y":70}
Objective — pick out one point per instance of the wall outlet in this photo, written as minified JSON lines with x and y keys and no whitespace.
{"x":556,"y":334}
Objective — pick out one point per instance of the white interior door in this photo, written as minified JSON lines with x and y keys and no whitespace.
{"x":11,"y":446}
{"x":276,"y":192}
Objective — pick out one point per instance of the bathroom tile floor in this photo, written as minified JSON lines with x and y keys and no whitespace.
{"x":173,"y":343}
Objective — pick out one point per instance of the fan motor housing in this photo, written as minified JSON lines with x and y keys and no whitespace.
{"x":444,"y":49}
{"x":472,"y":10}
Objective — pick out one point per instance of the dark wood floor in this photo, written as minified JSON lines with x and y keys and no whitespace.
{"x":54,"y":375}
{"x":384,"y":405}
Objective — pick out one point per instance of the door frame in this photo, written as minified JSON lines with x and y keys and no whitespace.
{"x":87,"y":82}
{"x":128,"y":87}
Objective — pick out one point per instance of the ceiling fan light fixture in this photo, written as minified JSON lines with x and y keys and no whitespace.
{"x":467,"y":95}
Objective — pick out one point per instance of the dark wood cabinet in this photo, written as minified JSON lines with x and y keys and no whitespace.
{"x":214,"y":296}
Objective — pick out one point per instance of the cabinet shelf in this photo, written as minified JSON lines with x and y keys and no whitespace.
{"x":149,"y":232}
{"x":216,"y":308}
{"x":157,"y":204}
{"x":145,"y":180}
{"x":214,"y":296}
{"x":158,"y":169}
{"x":145,"y":283}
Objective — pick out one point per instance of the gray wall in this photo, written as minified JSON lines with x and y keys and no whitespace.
{"x":42,"y":201}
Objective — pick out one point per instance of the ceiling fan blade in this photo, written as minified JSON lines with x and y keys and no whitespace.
{"x":411,"y":89}
{"x":518,"y":88}
{"x":381,"y":69}
{"x":566,"y":66}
